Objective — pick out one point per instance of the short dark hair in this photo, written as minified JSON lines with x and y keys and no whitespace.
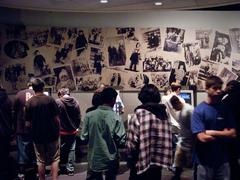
{"x":213,"y":81}
{"x":108,"y":94}
{"x":175,"y":86}
{"x":175,"y":102}
{"x":63,"y":91}
{"x":233,"y":86}
{"x":149,"y":94}
{"x":96,"y":99}
{"x":38,"y":85}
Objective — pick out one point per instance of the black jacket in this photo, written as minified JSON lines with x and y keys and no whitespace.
{"x":70,"y":115}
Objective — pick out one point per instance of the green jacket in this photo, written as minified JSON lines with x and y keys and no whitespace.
{"x":104,"y":131}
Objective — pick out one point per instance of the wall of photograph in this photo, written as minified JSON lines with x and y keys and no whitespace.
{"x":123,"y":57}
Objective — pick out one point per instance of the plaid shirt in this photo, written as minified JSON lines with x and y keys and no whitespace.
{"x":151,"y":137}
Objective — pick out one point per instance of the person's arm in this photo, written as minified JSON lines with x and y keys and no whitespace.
{"x":120,"y":134}
{"x":227,"y":132}
{"x":198,"y":127}
{"x":204,"y":137}
{"x":132,"y":142}
{"x":84,"y":135}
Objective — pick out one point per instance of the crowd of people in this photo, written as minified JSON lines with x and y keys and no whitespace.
{"x":164,"y":132}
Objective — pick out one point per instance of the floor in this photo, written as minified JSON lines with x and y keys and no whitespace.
{"x":80,"y":173}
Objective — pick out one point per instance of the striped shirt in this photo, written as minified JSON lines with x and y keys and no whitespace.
{"x":151,"y":137}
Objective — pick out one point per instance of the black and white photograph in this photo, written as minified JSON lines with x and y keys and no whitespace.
{"x":80,"y":67}
{"x":114,"y":78}
{"x":192,"y":77}
{"x":16,"y":75}
{"x":65,"y":77}
{"x":203,"y":36}
{"x":63,"y":54}
{"x":236,"y":63}
{"x":95,"y":36}
{"x":128,"y":32}
{"x":16,"y":49}
{"x":174,"y":38}
{"x":124,"y":57}
{"x":160,"y":79}
{"x":39,"y":38}
{"x":192,"y":54}
{"x":207,"y":69}
{"x":201,"y":85}
{"x":56,"y":35}
{"x":137,"y":81}
{"x":152,"y":38}
{"x":72,"y":34}
{"x":226,"y":75}
{"x":178,"y":73}
{"x":134,"y":60}
{"x":40,"y":65}
{"x":96,"y":60}
{"x":116,"y":51}
{"x":50,"y":81}
{"x":221,"y":50}
{"x":235,"y":39}
{"x":88,"y":83}
{"x":156,"y":64}
{"x":81,"y":43}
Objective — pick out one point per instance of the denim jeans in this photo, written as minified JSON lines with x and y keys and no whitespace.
{"x":221,"y":172}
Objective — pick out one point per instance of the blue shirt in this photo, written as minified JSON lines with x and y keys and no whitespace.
{"x":211,"y":117}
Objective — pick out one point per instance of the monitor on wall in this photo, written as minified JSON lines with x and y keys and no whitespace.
{"x":187,"y":95}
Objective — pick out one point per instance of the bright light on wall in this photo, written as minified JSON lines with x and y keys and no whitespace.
{"x":158,"y":3}
{"x":103,"y":1}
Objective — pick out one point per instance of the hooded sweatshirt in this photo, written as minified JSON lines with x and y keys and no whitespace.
{"x":70,"y":115}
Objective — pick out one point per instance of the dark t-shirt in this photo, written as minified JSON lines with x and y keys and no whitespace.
{"x":211,"y":117}
{"x":19,"y":107}
{"x":41,"y":111}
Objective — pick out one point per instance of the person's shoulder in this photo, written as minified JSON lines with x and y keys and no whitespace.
{"x":202,"y":106}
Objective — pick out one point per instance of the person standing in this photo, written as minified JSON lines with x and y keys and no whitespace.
{"x":134,"y":60}
{"x":81,"y":42}
{"x":42,"y":116}
{"x":26,"y":156}
{"x":174,"y":115}
{"x":39,"y":63}
{"x":104,"y":132}
{"x":70,"y":117}
{"x":5,"y":133}
{"x":212,"y":125}
{"x":183,"y":153}
{"x":231,"y":102}
{"x":149,"y":137}
{"x":175,"y":91}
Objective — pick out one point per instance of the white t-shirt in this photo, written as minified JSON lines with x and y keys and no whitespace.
{"x":174,"y":115}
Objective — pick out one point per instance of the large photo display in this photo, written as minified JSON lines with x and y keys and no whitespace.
{"x":123,"y":57}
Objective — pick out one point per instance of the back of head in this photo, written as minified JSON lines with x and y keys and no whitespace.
{"x":149,"y":94}
{"x":213,"y":81}
{"x":63,"y":91}
{"x":96,"y":99}
{"x":38,"y":85}
{"x":233,"y":86}
{"x":175,"y":86}
{"x":176,"y":103}
{"x":108,"y":95}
